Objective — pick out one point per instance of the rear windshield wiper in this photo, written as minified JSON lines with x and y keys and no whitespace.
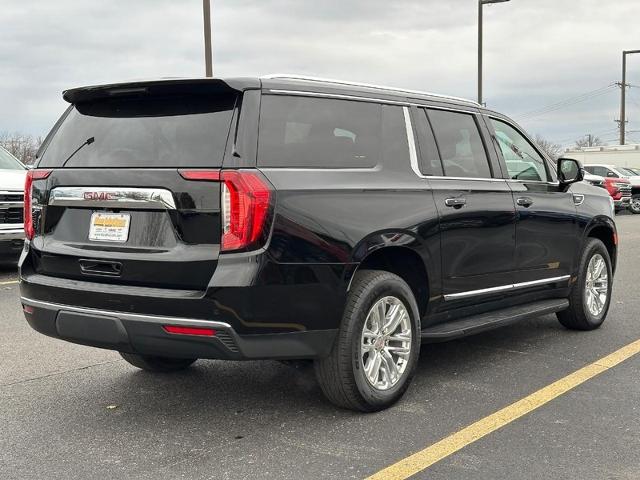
{"x":88,"y":141}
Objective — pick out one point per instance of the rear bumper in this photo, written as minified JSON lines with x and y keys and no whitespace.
{"x":144,"y":334}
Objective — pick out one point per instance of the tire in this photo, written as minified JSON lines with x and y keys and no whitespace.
{"x":342,"y":375}
{"x":579,"y":316}
{"x":157,"y":364}
{"x":634,"y":206}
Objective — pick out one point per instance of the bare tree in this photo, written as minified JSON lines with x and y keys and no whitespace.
{"x":22,"y":146}
{"x":589,"y":141}
{"x":554,"y":150}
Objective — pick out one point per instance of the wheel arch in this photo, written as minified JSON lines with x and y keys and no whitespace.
{"x":604,"y":229}
{"x":405,"y":262}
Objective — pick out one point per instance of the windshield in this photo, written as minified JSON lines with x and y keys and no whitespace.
{"x":185,"y":131}
{"x":8,"y":161}
{"x":627,"y":171}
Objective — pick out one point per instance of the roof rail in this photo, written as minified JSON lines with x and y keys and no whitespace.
{"x":288,"y":76}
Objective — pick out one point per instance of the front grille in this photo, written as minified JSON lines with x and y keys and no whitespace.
{"x":11,"y":197}
{"x":11,"y":215}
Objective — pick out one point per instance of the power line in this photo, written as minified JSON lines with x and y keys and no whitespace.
{"x":568,"y":102}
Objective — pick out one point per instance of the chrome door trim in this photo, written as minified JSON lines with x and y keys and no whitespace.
{"x":503,"y":288}
{"x":113,"y":197}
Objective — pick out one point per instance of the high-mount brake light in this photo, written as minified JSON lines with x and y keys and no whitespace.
{"x":32,"y":175}
{"x":246,"y":200}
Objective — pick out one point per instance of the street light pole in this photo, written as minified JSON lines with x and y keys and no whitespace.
{"x":481,"y":3}
{"x":208,"y":62}
{"x":623,"y":95}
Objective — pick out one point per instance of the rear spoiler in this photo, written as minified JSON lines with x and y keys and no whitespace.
{"x":195,"y":86}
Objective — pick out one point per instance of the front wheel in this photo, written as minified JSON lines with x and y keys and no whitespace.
{"x":375,"y":354}
{"x":591,"y":293}
{"x":634,"y":206}
{"x":152,"y":363}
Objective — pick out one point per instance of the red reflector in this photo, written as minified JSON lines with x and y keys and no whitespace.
{"x":615,"y":239}
{"x":179,"y":330}
{"x":32,"y":175}
{"x":27,"y":309}
{"x":205,"y":175}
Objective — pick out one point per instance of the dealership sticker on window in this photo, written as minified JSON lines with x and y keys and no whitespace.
{"x":109,"y":227}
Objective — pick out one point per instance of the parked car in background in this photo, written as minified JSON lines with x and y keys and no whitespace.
{"x":298,"y":218}
{"x":595,"y":180}
{"x":623,"y":185}
{"x":12,"y":177}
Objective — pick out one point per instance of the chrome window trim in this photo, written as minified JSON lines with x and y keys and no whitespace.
{"x":413,"y":154}
{"x":502,"y":288}
{"x":128,"y":198}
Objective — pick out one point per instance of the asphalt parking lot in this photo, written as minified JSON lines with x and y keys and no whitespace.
{"x":75,"y":412}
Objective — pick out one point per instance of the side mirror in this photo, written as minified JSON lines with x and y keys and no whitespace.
{"x":569,"y":171}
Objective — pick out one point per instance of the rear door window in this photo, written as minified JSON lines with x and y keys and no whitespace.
{"x":460,"y":144}
{"x":318,"y":133}
{"x":185,"y":131}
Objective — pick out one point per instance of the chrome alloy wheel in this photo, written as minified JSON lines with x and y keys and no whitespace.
{"x":596,"y":285}
{"x":634,"y":205}
{"x":385,"y":343}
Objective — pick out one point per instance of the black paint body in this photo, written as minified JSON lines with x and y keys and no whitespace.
{"x":326,"y":224}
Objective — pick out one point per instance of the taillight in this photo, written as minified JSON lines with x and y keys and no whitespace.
{"x":32,"y":175}
{"x":246,"y":201}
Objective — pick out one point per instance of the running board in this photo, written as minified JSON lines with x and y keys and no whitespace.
{"x":490,"y":320}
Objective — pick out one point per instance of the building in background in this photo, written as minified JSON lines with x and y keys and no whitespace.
{"x":619,"y":155}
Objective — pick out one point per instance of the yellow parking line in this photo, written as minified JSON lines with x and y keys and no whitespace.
{"x":425,"y":458}
{"x":12,"y":282}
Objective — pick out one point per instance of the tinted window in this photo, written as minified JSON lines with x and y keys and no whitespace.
{"x":318,"y":132}
{"x":523,"y":161}
{"x":429,"y":158}
{"x":8,"y":162}
{"x":395,"y":145}
{"x":143,"y":132}
{"x":460,"y":144}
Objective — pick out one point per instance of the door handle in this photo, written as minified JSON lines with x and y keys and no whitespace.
{"x":457,"y":202}
{"x":524,"y":202}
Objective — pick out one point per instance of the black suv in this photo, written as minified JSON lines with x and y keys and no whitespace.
{"x":298,"y":218}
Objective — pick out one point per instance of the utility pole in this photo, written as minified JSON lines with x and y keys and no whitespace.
{"x":208,"y":61}
{"x":623,"y":95}
{"x":482,"y":3}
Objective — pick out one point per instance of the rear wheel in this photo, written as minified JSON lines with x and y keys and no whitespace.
{"x":375,"y":355}
{"x":591,"y":294}
{"x":634,"y":206}
{"x":152,"y":363}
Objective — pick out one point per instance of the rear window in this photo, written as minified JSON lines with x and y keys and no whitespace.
{"x":143,"y":132}
{"x":319,"y":133}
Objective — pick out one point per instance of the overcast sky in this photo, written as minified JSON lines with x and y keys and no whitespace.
{"x":537,"y":52}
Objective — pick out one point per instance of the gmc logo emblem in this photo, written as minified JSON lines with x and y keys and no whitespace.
{"x":98,"y":196}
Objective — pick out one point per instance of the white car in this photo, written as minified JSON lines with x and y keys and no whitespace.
{"x":12,"y":176}
{"x":611,"y":171}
